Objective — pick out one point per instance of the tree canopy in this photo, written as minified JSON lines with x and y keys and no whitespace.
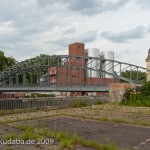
{"x":5,"y":61}
{"x":141,"y":75}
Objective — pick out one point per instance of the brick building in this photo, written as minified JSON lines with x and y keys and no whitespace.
{"x":75,"y":74}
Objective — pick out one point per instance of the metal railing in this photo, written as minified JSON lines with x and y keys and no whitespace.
{"x":47,"y":102}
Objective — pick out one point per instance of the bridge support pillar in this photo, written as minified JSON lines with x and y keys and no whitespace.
{"x":24,"y":78}
{"x":17,"y":80}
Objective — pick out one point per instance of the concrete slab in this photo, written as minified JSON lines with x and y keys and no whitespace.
{"x":129,"y":136}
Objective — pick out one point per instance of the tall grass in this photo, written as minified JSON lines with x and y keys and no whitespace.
{"x":137,"y":99}
{"x":66,"y":140}
{"x":81,"y":103}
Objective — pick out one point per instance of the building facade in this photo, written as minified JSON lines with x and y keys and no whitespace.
{"x":148,"y":65}
{"x":73,"y":72}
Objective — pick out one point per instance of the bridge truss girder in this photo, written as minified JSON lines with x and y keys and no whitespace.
{"x":38,"y":71}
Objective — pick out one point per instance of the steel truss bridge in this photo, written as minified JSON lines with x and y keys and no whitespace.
{"x":34,"y":74}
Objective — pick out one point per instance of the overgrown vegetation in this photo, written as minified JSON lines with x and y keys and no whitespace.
{"x":74,"y":104}
{"x":34,"y":95}
{"x":132,"y":98}
{"x":16,"y":111}
{"x":99,"y":102}
{"x":145,"y":89}
{"x":11,"y":136}
{"x":81,"y":103}
{"x":66,"y":140}
{"x":10,"y":148}
{"x":137,"y":99}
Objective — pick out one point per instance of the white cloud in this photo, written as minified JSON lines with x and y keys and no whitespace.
{"x":125,"y":36}
{"x":76,"y":37}
{"x":95,"y":6}
{"x":6,"y":27}
{"x":31,"y":27}
{"x":144,"y":3}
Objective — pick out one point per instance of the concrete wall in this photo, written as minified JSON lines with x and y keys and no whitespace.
{"x":116,"y":90}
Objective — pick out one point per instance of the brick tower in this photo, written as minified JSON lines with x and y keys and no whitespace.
{"x":148,"y":65}
{"x":76,"y":71}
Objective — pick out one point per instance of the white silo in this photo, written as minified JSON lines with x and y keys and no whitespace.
{"x":63,"y":60}
{"x":93,"y":63}
{"x":108,"y":66}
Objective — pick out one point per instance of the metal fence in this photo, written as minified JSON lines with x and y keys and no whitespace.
{"x":45,"y":102}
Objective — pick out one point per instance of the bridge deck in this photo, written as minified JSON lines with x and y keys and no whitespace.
{"x":63,"y":88}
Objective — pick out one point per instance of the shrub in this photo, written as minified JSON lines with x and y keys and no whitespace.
{"x":127,"y":93}
{"x":145,"y":89}
{"x":135,"y":99}
{"x":74,"y":104}
{"x":83,"y":104}
{"x":99,"y":102}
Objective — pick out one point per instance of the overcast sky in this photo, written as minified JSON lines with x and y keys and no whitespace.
{"x":32,"y":27}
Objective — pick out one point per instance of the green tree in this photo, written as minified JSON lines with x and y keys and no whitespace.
{"x":53,"y":61}
{"x":10,"y":61}
{"x":145,"y":89}
{"x":2,"y":60}
{"x":141,"y":75}
{"x":5,"y":61}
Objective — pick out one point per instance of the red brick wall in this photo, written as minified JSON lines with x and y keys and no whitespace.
{"x":71,"y":77}
{"x":62,"y":76}
{"x":11,"y":95}
{"x":76,"y":49}
{"x":99,"y":81}
{"x":53,"y":73}
{"x":74,"y":74}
